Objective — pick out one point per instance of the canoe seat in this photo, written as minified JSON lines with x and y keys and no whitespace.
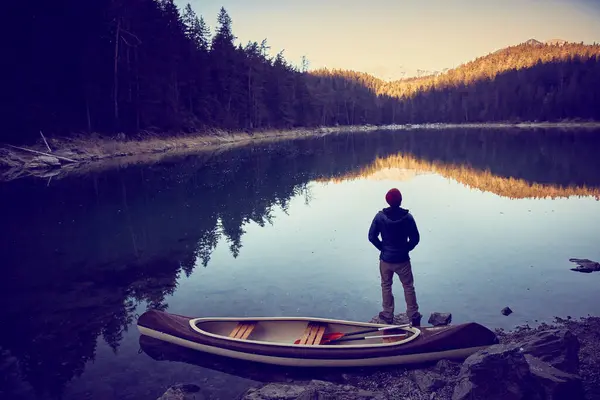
{"x":313,"y":333}
{"x":242,"y":330}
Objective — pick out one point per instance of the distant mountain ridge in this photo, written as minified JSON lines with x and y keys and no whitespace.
{"x":551,"y":42}
{"x":399,"y":73}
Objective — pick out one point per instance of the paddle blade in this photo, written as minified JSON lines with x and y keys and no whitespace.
{"x":332,"y":336}
{"x":327,"y":337}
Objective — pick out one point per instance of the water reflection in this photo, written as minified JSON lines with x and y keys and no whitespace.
{"x":159,"y":350}
{"x":79,"y":255}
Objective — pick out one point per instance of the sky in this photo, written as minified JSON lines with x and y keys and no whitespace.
{"x":389,"y":38}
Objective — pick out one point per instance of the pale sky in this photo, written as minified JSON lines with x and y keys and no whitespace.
{"x":385,"y":37}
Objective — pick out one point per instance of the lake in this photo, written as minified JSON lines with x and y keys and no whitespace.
{"x":280,"y":229}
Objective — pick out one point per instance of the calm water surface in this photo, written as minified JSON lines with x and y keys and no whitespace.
{"x":281,"y":229}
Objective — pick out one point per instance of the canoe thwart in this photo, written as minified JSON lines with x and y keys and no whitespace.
{"x":313,"y":333}
{"x":242,"y":330}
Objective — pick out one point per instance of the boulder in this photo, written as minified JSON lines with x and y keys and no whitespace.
{"x":43,"y":162}
{"x":558,"y":347}
{"x":447,"y":367}
{"x":555,"y":384}
{"x":439,"y":319}
{"x":506,"y":371}
{"x":499,"y":372}
{"x":428,"y":381}
{"x":312,"y":390}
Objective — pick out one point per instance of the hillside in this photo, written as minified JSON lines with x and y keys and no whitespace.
{"x":145,"y":67}
{"x":519,"y":83}
{"x":523,"y":56}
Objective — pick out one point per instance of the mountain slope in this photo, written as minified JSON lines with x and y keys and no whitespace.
{"x":511,"y":58}
{"x":518,"y":83}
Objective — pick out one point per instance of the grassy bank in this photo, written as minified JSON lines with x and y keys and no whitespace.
{"x":92,"y":151}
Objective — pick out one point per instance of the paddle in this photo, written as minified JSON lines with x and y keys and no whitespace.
{"x":368,"y":337}
{"x":328,"y":337}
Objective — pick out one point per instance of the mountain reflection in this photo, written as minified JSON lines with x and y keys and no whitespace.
{"x":79,"y":254}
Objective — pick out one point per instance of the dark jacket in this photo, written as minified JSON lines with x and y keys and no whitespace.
{"x":399,"y":234}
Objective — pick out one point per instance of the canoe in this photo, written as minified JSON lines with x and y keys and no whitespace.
{"x":299,"y":341}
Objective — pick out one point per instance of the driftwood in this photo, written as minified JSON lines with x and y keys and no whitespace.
{"x":585,"y":265}
{"x":44,"y":154}
{"x":47,"y":145}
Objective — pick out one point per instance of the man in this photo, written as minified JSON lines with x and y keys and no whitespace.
{"x":399,"y":236}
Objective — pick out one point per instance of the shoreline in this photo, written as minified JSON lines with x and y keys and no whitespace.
{"x":52,"y":156}
{"x":554,"y":343}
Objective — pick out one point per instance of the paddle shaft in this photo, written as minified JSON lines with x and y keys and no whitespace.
{"x":367,"y":337}
{"x":385,"y":328}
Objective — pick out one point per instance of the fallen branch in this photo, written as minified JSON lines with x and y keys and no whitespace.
{"x":47,"y":145}
{"x":44,"y":154}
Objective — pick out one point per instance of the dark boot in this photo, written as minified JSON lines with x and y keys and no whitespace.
{"x":416,"y":319}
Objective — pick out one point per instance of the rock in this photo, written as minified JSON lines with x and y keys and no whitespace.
{"x":506,"y":371}
{"x":499,"y":372}
{"x":447,"y":367}
{"x":183,"y":392}
{"x":312,"y":390}
{"x":275,"y":391}
{"x":585,"y":265}
{"x":399,"y":319}
{"x":506,"y":311}
{"x":556,"y":384}
{"x":428,"y":381}
{"x":439,"y":319}
{"x":557,"y":347}
{"x":43,"y":162}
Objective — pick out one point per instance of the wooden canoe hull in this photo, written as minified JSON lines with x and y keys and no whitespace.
{"x":430,"y":344}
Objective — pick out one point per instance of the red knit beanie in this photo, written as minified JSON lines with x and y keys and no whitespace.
{"x":393,"y":197}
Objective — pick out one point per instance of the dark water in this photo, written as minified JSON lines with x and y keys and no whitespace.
{"x":281,"y":229}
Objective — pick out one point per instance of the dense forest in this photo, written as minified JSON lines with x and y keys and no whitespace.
{"x":134,"y":66}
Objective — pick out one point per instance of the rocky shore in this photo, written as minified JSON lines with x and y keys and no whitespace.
{"x":550,"y":361}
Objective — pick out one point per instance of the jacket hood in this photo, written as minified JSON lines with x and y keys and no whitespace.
{"x":394,"y":214}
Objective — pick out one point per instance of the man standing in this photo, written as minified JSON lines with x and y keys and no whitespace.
{"x":399,"y":236}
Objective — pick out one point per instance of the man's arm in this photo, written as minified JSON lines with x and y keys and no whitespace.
{"x":374,"y":235}
{"x":413,"y":234}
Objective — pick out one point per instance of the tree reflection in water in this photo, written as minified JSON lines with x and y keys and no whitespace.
{"x":83,"y":252}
